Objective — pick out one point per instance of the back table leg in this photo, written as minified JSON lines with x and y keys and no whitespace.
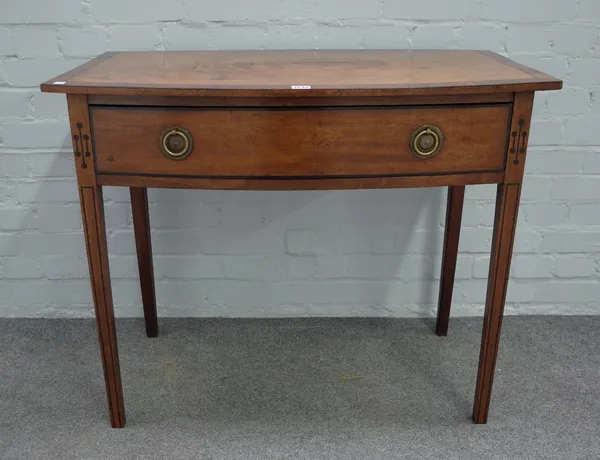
{"x":454,"y":207}
{"x":141,"y":226}
{"x":92,"y":209}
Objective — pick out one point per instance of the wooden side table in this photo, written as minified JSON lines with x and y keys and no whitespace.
{"x":297,"y":120}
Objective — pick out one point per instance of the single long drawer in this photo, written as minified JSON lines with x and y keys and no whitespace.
{"x":298,"y":142}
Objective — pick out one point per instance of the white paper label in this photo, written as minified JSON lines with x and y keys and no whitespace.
{"x":300,"y":86}
{"x":59,"y":82}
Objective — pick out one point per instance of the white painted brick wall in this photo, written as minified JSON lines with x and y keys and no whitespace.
{"x":299,"y":253}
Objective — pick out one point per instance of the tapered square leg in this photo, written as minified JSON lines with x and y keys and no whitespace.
{"x":92,"y":208}
{"x":507,"y":206}
{"x":454,"y":207}
{"x":143,"y":244}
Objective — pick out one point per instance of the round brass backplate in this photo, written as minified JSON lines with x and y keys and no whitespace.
{"x":426,"y":141}
{"x":176,"y":143}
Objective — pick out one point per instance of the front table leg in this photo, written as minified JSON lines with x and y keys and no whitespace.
{"x":92,"y":209}
{"x":505,"y":223}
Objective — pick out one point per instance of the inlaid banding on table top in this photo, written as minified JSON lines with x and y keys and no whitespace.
{"x":301,"y":73}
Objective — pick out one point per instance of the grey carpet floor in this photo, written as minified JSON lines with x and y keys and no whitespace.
{"x":301,"y":389}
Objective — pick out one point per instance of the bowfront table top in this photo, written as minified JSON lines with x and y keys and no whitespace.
{"x":272,"y":73}
{"x":291,"y":120}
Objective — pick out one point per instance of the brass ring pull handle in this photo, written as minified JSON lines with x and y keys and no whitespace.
{"x":176,"y":143}
{"x":426,"y":141}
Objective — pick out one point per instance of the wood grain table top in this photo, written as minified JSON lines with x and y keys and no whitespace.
{"x":300,"y":73}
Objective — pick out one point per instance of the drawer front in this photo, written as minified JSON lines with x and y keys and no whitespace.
{"x":307,"y":142}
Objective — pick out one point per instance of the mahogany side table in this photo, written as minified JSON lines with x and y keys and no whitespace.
{"x":298,"y":120}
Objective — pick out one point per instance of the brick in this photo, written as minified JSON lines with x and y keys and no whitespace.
{"x":59,"y":218}
{"x":29,"y":73}
{"x":233,"y":37}
{"x":558,"y":161}
{"x":585,"y":214}
{"x":52,"y":292}
{"x":117,"y":216}
{"x":181,"y":37}
{"x":36,"y":134}
{"x":6,"y":48}
{"x":429,"y":36}
{"x":531,"y":11}
{"x":574,"y":267}
{"x":481,"y":267}
{"x":464,"y":268}
{"x":185,"y":215}
{"x":61,"y":267}
{"x":568,"y":102}
{"x":532,"y":266}
{"x":571,"y":242}
{"x":17,"y":219}
{"x":567,"y":292}
{"x":5,"y":192}
{"x":442,"y":11}
{"x":536,"y":188}
{"x":527,"y":39}
{"x":471,"y":291}
{"x":51,"y":164}
{"x":488,"y":214}
{"x":86,"y":43}
{"x":307,"y":242}
{"x":35,"y":42}
{"x":475,"y":240}
{"x":321,"y":241}
{"x":545,"y":132}
{"x":588,"y":9}
{"x":582,"y":130}
{"x":481,"y":192}
{"x":347,"y":37}
{"x":121,"y":242}
{"x":300,"y":267}
{"x":406,"y":241}
{"x":471,"y":215}
{"x":48,"y":105}
{"x":386,"y":36}
{"x":124,"y":267}
{"x":176,"y":242}
{"x":302,"y":36}
{"x":53,"y":244}
{"x":592,"y":163}
{"x":574,"y":39}
{"x":13,"y":165}
{"x":545,"y":214}
{"x":267,"y":241}
{"x":108,"y":10}
{"x":34,"y":12}
{"x":47,"y":191}
{"x":200,"y":267}
{"x":134,"y":37}
{"x":9,"y":245}
{"x":482,"y":36}
{"x":14,"y":104}
{"x":584,"y":71}
{"x":527,"y":240}
{"x":576,"y":188}
{"x":259,"y":268}
{"x":21,"y":268}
